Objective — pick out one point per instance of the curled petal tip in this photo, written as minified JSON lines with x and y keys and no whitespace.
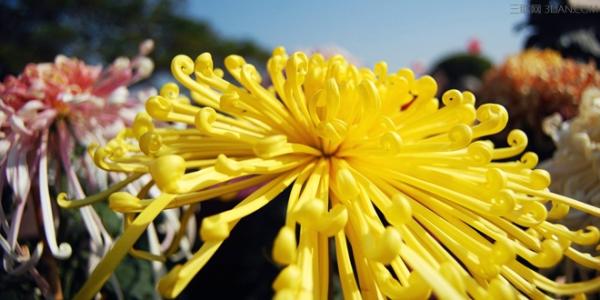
{"x":214,"y":230}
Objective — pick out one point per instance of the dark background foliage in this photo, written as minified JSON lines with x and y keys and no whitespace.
{"x":99,"y":31}
{"x":574,"y":34}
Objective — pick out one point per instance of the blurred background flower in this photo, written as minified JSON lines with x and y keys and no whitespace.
{"x":50,"y":111}
{"x":535,"y":84}
{"x":575,"y":165}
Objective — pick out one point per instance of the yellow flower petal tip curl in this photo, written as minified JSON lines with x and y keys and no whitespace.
{"x":416,"y":200}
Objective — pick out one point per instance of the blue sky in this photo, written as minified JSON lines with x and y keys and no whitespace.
{"x":399,"y":32}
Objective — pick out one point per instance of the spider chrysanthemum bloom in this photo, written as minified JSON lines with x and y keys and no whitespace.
{"x":45,"y":113}
{"x":416,"y":200}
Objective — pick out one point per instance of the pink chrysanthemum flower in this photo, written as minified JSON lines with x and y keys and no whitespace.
{"x":44,"y":113}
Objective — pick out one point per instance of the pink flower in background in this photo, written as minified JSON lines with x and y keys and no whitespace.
{"x":474,"y":46}
{"x":46,"y":112}
{"x":329,"y":51}
{"x":418,"y":67}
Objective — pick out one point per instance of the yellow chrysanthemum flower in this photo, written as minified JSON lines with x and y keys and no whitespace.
{"x":415,"y":198}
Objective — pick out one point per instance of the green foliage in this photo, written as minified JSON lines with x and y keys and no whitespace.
{"x":463,"y":64}
{"x":135,"y":278}
{"x":16,"y":288}
{"x":462,"y":71}
{"x":134,"y":275}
